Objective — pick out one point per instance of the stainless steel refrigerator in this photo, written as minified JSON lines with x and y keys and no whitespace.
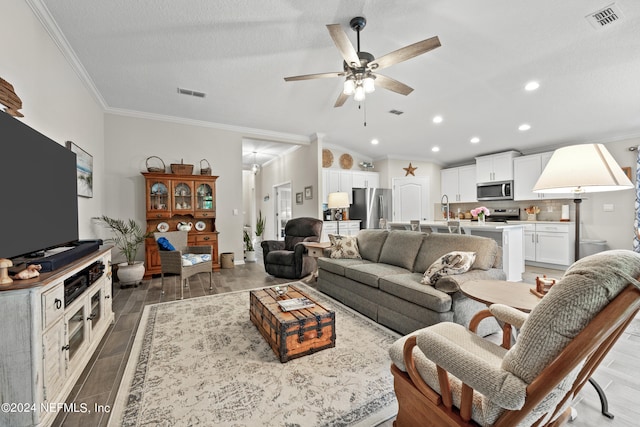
{"x":370,"y":205}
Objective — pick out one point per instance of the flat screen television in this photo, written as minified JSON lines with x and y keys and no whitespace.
{"x":38,"y":202}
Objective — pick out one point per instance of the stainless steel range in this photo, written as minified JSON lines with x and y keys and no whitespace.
{"x":503,"y":214}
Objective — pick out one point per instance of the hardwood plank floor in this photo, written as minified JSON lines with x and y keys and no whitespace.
{"x":99,"y":382}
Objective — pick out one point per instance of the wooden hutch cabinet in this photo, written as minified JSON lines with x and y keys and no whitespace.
{"x":172,"y":199}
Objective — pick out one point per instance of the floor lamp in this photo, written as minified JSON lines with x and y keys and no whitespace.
{"x":579,"y":169}
{"x":339,"y":201}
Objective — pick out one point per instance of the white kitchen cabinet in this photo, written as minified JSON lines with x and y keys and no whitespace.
{"x":495,"y":167}
{"x":526,"y":171}
{"x":45,"y":345}
{"x":362,"y":179}
{"x":549,"y":243}
{"x":459,"y":184}
{"x":347,"y":228}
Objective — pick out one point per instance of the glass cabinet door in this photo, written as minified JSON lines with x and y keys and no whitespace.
{"x":76,"y":331}
{"x":205,"y":202}
{"x":182,"y":196}
{"x":96,"y":308}
{"x":158,"y":199}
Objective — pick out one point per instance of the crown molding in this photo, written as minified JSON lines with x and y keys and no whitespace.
{"x":51,"y":27}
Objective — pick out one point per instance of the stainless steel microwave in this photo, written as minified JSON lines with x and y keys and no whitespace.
{"x":498,"y":190}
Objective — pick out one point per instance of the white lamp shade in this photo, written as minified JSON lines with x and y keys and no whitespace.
{"x":359,"y":94}
{"x":369,"y":84}
{"x":586,"y":168}
{"x":349,"y":87}
{"x":338,"y":200}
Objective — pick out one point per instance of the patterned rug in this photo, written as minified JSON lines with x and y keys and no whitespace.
{"x":201,"y":362}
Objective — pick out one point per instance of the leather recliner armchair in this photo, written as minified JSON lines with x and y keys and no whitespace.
{"x":288,"y":258}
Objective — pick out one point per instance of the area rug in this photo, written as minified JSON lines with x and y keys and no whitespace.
{"x":201,"y":362}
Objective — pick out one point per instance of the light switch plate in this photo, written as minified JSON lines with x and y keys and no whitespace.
{"x":607,"y":207}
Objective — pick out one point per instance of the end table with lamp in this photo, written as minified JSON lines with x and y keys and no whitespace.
{"x":338,"y":201}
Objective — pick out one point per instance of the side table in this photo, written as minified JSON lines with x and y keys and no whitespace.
{"x":316,"y":250}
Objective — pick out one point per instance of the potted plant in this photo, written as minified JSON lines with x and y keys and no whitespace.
{"x":249,"y":252}
{"x":128,"y":236}
{"x":260,"y":223}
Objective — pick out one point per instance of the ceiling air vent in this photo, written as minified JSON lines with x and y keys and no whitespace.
{"x":396,"y":112}
{"x":191,"y":93}
{"x":605,"y":17}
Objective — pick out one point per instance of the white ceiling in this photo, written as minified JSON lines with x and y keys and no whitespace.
{"x":137,"y":53}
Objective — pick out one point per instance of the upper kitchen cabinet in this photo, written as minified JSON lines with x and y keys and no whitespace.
{"x":495,"y":167}
{"x":526,"y":171}
{"x":459,"y":184}
{"x":334,"y":180}
{"x":362,"y":179}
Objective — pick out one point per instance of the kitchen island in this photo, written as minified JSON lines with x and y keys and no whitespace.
{"x":510,"y":238}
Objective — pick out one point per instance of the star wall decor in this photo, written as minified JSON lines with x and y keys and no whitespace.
{"x":410,"y":169}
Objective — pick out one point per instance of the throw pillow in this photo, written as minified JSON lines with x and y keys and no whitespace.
{"x":165,"y":245}
{"x":456,"y":262}
{"x":344,"y":247}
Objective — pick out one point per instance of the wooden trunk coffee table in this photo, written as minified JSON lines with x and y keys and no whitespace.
{"x":293,"y":333}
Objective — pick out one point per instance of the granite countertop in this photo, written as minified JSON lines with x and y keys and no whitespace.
{"x":466,"y":223}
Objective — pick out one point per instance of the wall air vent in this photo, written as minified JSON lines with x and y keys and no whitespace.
{"x":396,"y":112}
{"x":605,"y":17}
{"x":191,"y":93}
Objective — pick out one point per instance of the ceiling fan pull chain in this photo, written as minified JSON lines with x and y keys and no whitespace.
{"x":365,"y":113}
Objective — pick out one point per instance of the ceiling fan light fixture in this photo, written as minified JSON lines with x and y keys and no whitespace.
{"x":359,"y":94}
{"x":349,"y":86}
{"x":369,"y":83}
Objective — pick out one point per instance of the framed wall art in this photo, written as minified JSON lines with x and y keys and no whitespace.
{"x":308,"y":192}
{"x":84,"y":170}
{"x":298,"y":198}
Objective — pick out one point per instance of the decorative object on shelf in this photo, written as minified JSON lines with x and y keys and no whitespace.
{"x":201,"y":226}
{"x":308,"y":192}
{"x":163,"y":227}
{"x":366,"y":166}
{"x":338,"y":201}
{"x":482,"y":213}
{"x":327,"y":158}
{"x":155,"y":168}
{"x":346,"y":161}
{"x":30,"y":272}
{"x":4,"y":271}
{"x":128,"y":236}
{"x":410,"y":170}
{"x":9,"y":99}
{"x":579,"y":169}
{"x":532,"y":213}
{"x":84,"y":170}
{"x":181,"y":168}
{"x":299,"y":200}
{"x":205,"y":168}
{"x":184,"y":226}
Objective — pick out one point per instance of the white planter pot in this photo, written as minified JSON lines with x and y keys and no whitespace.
{"x":250,"y":256}
{"x":130,"y":274}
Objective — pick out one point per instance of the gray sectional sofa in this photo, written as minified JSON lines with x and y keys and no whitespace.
{"x":385,"y":284}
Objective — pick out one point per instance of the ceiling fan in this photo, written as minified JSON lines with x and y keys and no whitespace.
{"x":360,"y":68}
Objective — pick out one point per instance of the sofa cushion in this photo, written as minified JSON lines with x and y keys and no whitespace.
{"x":437,"y":244}
{"x":408,"y":287}
{"x":344,"y":247}
{"x":456,"y":262}
{"x":337,"y":266}
{"x":401,"y":248}
{"x":370,"y":243}
{"x":370,"y":273}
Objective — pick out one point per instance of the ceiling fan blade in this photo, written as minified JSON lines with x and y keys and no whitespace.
{"x":405,"y":53}
{"x":342,"y":98}
{"x":392,"y":85}
{"x":343,"y":44}
{"x":313,"y":76}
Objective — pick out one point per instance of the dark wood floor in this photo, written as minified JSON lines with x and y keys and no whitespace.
{"x":99,"y":383}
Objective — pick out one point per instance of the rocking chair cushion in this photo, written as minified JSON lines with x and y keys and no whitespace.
{"x":193,"y":259}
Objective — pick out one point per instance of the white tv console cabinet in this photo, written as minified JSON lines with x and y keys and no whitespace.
{"x":45,"y":346}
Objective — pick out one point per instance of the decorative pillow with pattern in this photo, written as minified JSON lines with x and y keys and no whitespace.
{"x":344,"y":247}
{"x":456,"y":262}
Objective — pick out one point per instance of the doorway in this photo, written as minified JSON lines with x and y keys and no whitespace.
{"x":411,"y":199}
{"x":282,"y":208}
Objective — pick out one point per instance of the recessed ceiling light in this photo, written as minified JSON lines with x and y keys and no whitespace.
{"x":435,"y":149}
{"x":374,"y":141}
{"x":532,"y":86}
{"x":437,"y":119}
{"x":475,"y":140}
{"x":523,"y":127}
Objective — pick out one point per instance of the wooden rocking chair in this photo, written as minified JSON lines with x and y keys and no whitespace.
{"x":445,"y":375}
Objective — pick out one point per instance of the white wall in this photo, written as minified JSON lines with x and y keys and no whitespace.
{"x":131,"y":140}
{"x":55,"y":101}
